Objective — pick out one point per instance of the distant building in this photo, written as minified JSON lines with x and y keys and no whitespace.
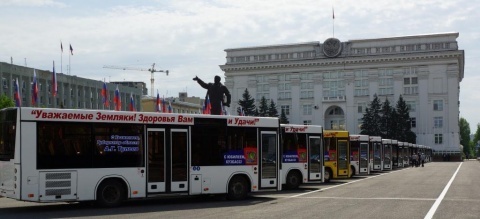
{"x":331,"y":83}
{"x":72,"y":92}
{"x":136,"y":84}
{"x":180,"y":104}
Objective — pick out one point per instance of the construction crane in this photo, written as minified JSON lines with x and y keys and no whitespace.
{"x":151,"y":70}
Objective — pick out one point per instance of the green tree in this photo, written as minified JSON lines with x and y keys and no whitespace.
{"x":247,"y":104}
{"x":272,"y":109}
{"x":6,"y":101}
{"x":371,"y":118}
{"x":283,"y":118}
{"x":465,"y":135}
{"x":263,"y":108}
{"x":476,"y":138}
{"x":387,"y":120}
{"x":402,"y":129}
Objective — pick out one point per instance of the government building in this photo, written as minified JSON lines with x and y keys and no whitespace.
{"x":331,"y":83}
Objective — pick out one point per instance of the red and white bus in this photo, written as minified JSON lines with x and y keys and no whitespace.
{"x":302,"y":154}
{"x":61,"y":155}
{"x":359,"y":151}
{"x":376,"y":153}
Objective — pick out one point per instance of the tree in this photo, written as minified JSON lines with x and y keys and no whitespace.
{"x":272,"y":109}
{"x":464,"y":135}
{"x":371,"y":118}
{"x":6,"y":101}
{"x":402,"y":131}
{"x":247,"y":104}
{"x":263,"y":108}
{"x":283,"y":118}
{"x":387,"y":120}
{"x":476,"y":138}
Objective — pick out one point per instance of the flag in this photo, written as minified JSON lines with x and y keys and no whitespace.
{"x":242,"y":112}
{"x":117,"y":101}
{"x":61,"y":46}
{"x":164,"y":106}
{"x":208,"y":106}
{"x":203,"y":108}
{"x":105,"y":95}
{"x":132,"y":103}
{"x":333,"y":13}
{"x":16,"y":95}
{"x":157,"y":105}
{"x":71,"y":49}
{"x":170,"y":109}
{"x":34,"y":89}
{"x":54,"y":81}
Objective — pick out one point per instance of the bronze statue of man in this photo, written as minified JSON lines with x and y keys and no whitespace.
{"x":216,"y":92}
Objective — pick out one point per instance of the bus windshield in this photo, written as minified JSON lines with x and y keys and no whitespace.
{"x":7,"y":134}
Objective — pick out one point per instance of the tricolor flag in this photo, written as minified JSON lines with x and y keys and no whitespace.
{"x":71,"y":49}
{"x":170,"y":109}
{"x":117,"y":101}
{"x":54,"y":81}
{"x":208,"y":106}
{"x":34,"y":89}
{"x":132,"y":103}
{"x":164,"y":105}
{"x":16,"y":95}
{"x":157,"y":103}
{"x":203,"y":108}
{"x":105,"y":95}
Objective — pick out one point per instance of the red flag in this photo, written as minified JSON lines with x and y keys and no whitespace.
{"x":105,"y":95}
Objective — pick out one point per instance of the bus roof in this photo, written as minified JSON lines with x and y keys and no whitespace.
{"x":359,"y":138}
{"x":290,"y":128}
{"x":375,"y":138}
{"x":108,"y":116}
{"x":335,"y":133}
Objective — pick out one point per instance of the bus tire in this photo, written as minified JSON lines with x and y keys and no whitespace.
{"x":328,"y":175}
{"x":110,"y":193}
{"x":294,"y":179}
{"x":237,"y":188}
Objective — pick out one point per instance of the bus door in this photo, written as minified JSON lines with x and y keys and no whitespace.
{"x":179,"y":160}
{"x":377,"y":156}
{"x":343,"y":158}
{"x":156,"y":160}
{"x":315,"y":165}
{"x":363,"y":168}
{"x":269,"y":166}
{"x":387,"y":159}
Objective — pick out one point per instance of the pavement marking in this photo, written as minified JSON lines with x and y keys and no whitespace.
{"x":435,"y":205}
{"x":331,"y":187}
{"x":356,"y":198}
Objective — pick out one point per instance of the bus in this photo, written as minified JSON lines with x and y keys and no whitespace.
{"x":336,"y":152}
{"x":401,"y":154}
{"x":376,"y":152}
{"x":64,"y":155}
{"x":359,"y":158}
{"x":302,"y":160}
{"x":395,"y":156}
{"x":387,"y":154}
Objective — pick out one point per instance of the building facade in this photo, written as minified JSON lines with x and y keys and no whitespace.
{"x":72,"y":92}
{"x":180,"y":104}
{"x":331,"y":83}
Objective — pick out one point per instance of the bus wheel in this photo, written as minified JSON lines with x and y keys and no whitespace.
{"x":293,"y":180}
{"x":237,"y":188}
{"x":110,"y":193}
{"x":328,"y":175}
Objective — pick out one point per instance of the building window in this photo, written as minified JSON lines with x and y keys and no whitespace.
{"x":411,"y":105}
{"x":286,"y":109}
{"x":438,"y":105}
{"x":438,"y":122}
{"x":438,"y":138}
{"x":413,"y":122}
{"x":307,"y":122}
{"x":307,"y":109}
{"x":333,"y":84}
{"x":361,"y":108}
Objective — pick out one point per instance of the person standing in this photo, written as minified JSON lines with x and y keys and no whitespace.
{"x":215,"y":92}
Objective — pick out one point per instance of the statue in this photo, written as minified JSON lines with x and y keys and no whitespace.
{"x":216,"y":93}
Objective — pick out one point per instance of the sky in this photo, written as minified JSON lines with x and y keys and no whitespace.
{"x":188,"y":37}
